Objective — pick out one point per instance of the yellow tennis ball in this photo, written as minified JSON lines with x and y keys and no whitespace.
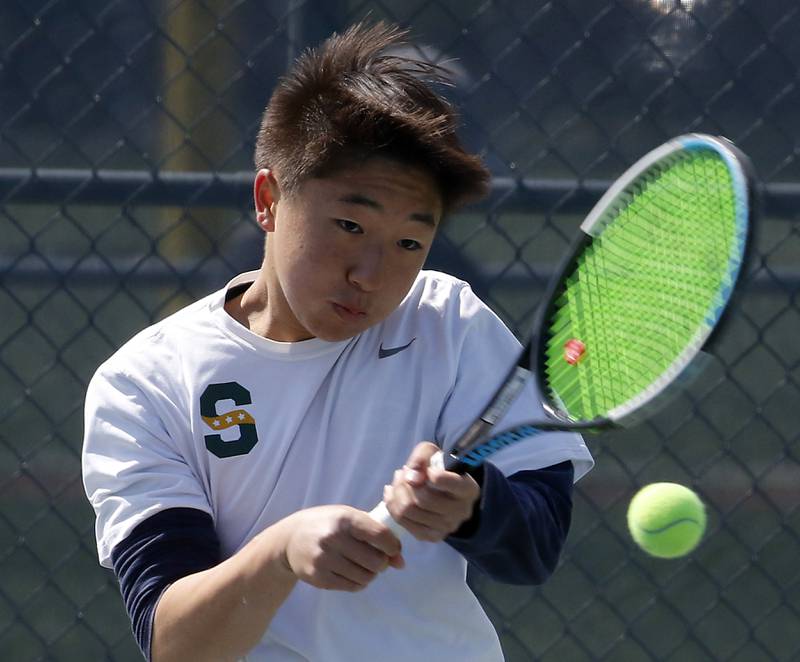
{"x":666,"y":520}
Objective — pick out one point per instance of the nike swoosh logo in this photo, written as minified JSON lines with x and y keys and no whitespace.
{"x":391,"y":351}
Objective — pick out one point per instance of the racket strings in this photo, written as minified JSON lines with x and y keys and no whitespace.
{"x":644,"y":289}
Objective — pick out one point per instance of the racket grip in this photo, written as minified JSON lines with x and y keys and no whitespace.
{"x":380,"y":513}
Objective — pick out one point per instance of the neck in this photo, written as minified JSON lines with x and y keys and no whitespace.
{"x":263,"y":314}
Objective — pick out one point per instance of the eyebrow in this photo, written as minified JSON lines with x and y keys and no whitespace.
{"x":358,"y":199}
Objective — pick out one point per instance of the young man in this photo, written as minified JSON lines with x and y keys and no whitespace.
{"x":233,"y":450}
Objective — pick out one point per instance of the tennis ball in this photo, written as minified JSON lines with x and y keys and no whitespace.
{"x":666,"y":520}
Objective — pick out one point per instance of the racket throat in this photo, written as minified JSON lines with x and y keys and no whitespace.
{"x":494,"y":411}
{"x":502,"y":401}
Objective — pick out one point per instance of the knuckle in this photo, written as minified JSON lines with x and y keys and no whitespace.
{"x":342,"y":523}
{"x":373,"y":564}
{"x":325,"y":544}
{"x":317,"y":558}
{"x":405,"y":510}
{"x":419,"y":499}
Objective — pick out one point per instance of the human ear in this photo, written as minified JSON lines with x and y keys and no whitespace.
{"x":266,"y":193}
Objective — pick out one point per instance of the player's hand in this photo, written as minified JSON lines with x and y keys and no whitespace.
{"x":431,"y":503}
{"x":338,"y":547}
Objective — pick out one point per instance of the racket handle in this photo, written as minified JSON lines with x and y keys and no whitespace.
{"x":380,"y":513}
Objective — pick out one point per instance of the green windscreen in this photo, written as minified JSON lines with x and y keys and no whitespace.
{"x":643,"y":290}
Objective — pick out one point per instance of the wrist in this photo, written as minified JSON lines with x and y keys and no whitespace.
{"x":470,"y":526}
{"x":271,"y":548}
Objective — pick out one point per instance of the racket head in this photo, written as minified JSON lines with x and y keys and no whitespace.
{"x":645,"y":284}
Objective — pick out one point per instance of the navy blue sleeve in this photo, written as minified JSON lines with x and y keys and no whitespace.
{"x":169,"y":545}
{"x":520,"y":523}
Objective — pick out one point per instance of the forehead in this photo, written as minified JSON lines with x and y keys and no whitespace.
{"x":390,"y":184}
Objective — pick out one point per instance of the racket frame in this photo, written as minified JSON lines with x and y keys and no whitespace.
{"x":616,"y":197}
{"x":476,"y":443}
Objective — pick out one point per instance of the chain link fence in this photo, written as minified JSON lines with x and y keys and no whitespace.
{"x":126,"y":130}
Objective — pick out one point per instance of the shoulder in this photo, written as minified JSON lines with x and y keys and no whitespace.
{"x":157,"y":349}
{"x":444,"y":315}
{"x":447,"y":305}
{"x":439,"y":294}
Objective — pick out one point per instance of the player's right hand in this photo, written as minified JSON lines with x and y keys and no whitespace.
{"x":338,"y":547}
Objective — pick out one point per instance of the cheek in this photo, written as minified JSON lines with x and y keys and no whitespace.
{"x":309,"y":283}
{"x":402,"y":278}
{"x":300,"y":258}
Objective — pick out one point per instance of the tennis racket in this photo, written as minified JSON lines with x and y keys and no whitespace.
{"x":639,"y":294}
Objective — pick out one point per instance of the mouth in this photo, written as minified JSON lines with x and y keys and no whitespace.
{"x":349,"y":313}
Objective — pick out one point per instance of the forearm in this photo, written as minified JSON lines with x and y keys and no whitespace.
{"x":518,"y":531}
{"x":222,"y":613}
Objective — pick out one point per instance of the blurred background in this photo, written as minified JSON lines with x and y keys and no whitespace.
{"x":126,"y":132}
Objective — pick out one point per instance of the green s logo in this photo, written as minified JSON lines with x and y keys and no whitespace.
{"x":238,"y":417}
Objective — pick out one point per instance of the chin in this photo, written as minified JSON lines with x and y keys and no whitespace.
{"x":337,"y":333}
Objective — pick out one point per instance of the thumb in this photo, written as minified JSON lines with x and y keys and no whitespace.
{"x":417,"y":463}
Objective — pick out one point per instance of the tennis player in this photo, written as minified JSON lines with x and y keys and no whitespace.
{"x":233,"y":450}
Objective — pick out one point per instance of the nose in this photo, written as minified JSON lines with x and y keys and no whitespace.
{"x":366,"y":272}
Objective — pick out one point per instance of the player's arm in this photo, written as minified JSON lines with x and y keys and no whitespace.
{"x":511,"y":528}
{"x":178,"y":592}
{"x":220,"y":613}
{"x":520,"y":524}
{"x":185,"y":603}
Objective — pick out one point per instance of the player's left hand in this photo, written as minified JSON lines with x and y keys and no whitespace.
{"x":430,"y":503}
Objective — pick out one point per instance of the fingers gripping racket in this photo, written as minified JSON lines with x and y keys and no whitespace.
{"x":637,"y":297}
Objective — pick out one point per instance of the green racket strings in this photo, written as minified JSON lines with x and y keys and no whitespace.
{"x":642,"y":291}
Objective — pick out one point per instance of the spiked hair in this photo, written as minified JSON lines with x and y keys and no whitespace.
{"x":348,"y":100}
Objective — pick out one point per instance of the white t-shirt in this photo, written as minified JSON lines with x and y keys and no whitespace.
{"x":198,"y":412}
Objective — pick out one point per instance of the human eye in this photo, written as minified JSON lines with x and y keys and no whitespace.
{"x":409,"y":244}
{"x":349,"y":226}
